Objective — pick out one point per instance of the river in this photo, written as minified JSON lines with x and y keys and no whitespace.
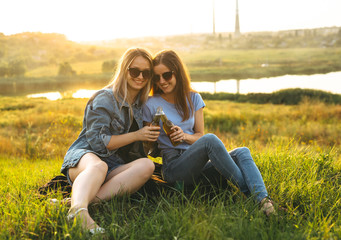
{"x":330,"y":82}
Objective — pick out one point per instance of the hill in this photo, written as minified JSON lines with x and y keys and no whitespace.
{"x":32,"y":57}
{"x":29,"y":51}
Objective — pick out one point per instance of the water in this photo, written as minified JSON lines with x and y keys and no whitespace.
{"x":50,"y":95}
{"x":330,"y":82}
{"x":81,"y":93}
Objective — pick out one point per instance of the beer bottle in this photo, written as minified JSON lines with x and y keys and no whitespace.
{"x":157,"y":117}
{"x":167,"y":125}
{"x":155,"y":122}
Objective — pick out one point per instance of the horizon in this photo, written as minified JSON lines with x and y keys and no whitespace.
{"x":83,"y":21}
{"x":179,"y":34}
{"x":161,"y":36}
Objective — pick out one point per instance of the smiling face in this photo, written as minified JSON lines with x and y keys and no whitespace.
{"x":166,"y":86}
{"x":135,"y":84}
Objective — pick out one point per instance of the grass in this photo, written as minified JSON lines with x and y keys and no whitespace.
{"x":92,"y":67}
{"x":213,"y":65}
{"x":203,"y":64}
{"x":216,"y":64}
{"x":295,"y":147}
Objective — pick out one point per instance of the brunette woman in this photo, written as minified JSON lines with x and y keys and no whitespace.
{"x":195,"y":151}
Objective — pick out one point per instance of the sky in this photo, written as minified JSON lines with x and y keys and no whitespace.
{"x":85,"y":20}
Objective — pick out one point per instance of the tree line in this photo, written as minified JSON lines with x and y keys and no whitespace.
{"x":13,"y":69}
{"x":20,"y":53}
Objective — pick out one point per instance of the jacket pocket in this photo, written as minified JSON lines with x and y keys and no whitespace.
{"x":117,"y":126}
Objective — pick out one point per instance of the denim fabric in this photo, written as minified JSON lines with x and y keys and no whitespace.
{"x":104,"y":116}
{"x":207,"y":152}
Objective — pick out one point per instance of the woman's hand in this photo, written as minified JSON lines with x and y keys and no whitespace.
{"x":148,"y":133}
{"x":177,"y":135}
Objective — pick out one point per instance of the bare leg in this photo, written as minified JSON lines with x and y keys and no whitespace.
{"x":87,"y":177}
{"x":126,"y":179}
{"x":90,"y":174}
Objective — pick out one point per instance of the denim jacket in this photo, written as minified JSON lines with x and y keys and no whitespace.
{"x":103,"y":117}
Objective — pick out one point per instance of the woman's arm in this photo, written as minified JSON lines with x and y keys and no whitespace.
{"x":147,"y":133}
{"x":179,"y":135}
{"x":198,"y":128}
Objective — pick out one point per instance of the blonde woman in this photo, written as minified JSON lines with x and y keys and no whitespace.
{"x":107,"y":159}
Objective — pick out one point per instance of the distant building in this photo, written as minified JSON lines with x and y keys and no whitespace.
{"x":237,"y":28}
{"x":213,"y":18}
{"x":325,"y":31}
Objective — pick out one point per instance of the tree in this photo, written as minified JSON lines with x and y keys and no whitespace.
{"x":3,"y":71}
{"x":16,"y":68}
{"x":108,"y":66}
{"x":65,"y":69}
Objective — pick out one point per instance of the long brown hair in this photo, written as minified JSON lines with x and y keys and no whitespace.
{"x":119,"y":81}
{"x":182,"y":88}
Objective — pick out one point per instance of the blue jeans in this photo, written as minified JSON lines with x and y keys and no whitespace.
{"x":207,"y":152}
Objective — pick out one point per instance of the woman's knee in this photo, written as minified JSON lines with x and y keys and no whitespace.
{"x":244,"y":150}
{"x":146,"y":166}
{"x":241,"y":153}
{"x":89,"y":162}
{"x":211,"y":141}
{"x":211,"y":138}
{"x":240,"y":150}
{"x":92,"y":162}
{"x":100,"y":167}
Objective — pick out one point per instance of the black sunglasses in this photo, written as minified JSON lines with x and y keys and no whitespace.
{"x":166,"y":75}
{"x":135,"y":72}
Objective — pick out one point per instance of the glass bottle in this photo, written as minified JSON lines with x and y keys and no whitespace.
{"x":155,"y":122}
{"x":167,"y":125}
{"x":157,"y":117}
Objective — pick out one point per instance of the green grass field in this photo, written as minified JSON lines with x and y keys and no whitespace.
{"x":213,"y":65}
{"x":204,"y":64}
{"x":297,"y":149}
{"x":216,"y":64}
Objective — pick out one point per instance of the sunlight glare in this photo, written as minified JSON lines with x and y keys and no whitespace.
{"x":83,"y":93}
{"x":50,"y":95}
{"x":192,"y":17}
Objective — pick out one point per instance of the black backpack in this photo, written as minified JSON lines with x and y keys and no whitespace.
{"x":58,"y":183}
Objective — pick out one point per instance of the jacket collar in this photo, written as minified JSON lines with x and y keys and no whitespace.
{"x":125,"y":104}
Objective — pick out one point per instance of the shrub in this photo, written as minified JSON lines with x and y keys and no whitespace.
{"x":65,"y":69}
{"x":108,"y":66}
{"x":286,"y":96}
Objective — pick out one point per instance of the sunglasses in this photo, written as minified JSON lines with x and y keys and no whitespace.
{"x":135,"y":72}
{"x":166,"y":75}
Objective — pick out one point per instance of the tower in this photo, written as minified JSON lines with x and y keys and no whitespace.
{"x":237,"y":29}
{"x":213,"y":18}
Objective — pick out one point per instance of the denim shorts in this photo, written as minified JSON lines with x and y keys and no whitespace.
{"x":114,"y":161}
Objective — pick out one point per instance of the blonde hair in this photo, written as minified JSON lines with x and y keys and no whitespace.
{"x":119,"y":81}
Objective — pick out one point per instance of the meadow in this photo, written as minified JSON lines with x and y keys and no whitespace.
{"x":216,"y":64}
{"x":296,"y":147}
{"x":203,"y":65}
{"x":31,"y":62}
